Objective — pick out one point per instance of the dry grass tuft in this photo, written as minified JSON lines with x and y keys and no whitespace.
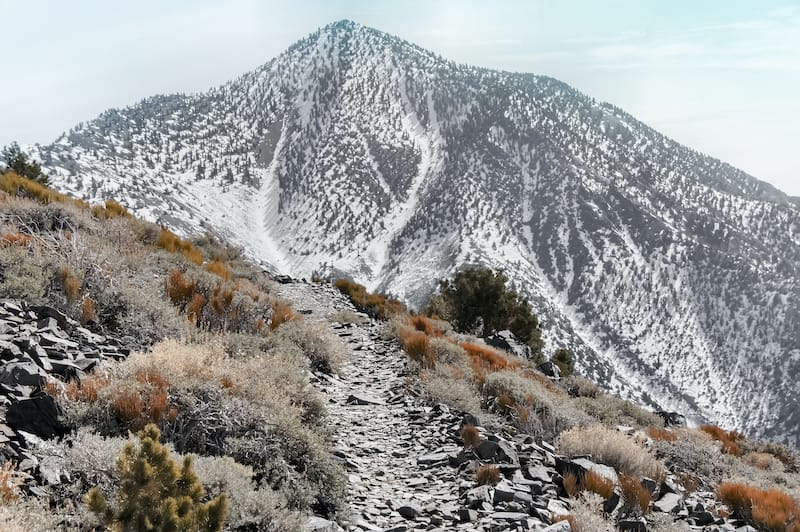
{"x":111,"y":209}
{"x":612,"y":448}
{"x":416,"y":344}
{"x":570,"y":483}
{"x":70,"y":285}
{"x":281,"y":313}
{"x":597,"y":484}
{"x":657,"y":433}
{"x":169,"y":241}
{"x":487,"y":359}
{"x":729,"y":439}
{"x":88,"y":310}
{"x":487,"y":475}
{"x":379,"y":306}
{"x":180,"y":287}
{"x":470,"y":436}
{"x":771,"y":510}
{"x":15,"y":239}
{"x":10,"y":482}
{"x":220,"y":269}
{"x":635,"y":497}
{"x":194,"y":308}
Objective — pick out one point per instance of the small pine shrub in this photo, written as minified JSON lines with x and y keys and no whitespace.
{"x":470,"y":436}
{"x":155,"y":493}
{"x":487,"y":475}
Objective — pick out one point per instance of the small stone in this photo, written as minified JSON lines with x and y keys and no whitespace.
{"x":409,"y":511}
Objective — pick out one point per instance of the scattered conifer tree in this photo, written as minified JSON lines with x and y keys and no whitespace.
{"x":565,"y":361}
{"x":156,"y":494}
{"x":16,"y":160}
{"x":478,"y":300}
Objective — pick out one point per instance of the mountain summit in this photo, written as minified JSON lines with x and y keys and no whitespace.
{"x":672,"y":275}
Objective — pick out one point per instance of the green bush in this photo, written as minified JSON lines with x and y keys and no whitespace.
{"x":478,"y":300}
{"x":565,"y":361}
{"x":155,"y":493}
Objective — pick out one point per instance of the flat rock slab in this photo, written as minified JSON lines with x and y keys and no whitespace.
{"x":363,"y":400}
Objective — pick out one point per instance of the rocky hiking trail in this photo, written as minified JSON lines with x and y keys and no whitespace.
{"x":399,"y":451}
{"x":407,"y":466}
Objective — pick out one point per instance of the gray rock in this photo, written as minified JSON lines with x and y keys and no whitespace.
{"x":669,"y":503}
{"x":510,"y":516}
{"x":37,"y":415}
{"x":318,"y":524}
{"x":354,"y":399}
{"x":435,"y":458}
{"x":466,"y":515}
{"x":22,"y":373}
{"x":503,"y":492}
{"x":409,"y":511}
{"x":487,"y":449}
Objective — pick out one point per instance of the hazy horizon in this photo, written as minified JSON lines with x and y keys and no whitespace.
{"x":718,"y":77}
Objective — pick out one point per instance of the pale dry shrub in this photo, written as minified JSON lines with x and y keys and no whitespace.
{"x":587,"y":514}
{"x":251,"y":507}
{"x":447,"y":384}
{"x":763,"y":461}
{"x":347,"y":316}
{"x":579,"y":386}
{"x":611,"y":448}
{"x":660,"y":522}
{"x":612,"y":410}
{"x":325,"y":351}
{"x":444,"y":351}
{"x":692,"y":453}
{"x":536,"y":409}
{"x":27,"y":516}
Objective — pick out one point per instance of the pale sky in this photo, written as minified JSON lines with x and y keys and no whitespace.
{"x":722,"y":77}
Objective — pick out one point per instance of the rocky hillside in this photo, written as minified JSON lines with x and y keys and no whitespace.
{"x":672,"y":275}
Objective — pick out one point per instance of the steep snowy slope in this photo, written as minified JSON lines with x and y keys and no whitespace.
{"x":673,"y":275}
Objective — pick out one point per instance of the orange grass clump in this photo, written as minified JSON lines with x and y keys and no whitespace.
{"x":484,"y":358}
{"x":281,"y":313}
{"x":771,"y":510}
{"x":15,"y":239}
{"x":729,"y":439}
{"x":416,"y":344}
{"x":487,"y":475}
{"x":597,"y":484}
{"x":220,"y":269}
{"x":657,"y":433}
{"x":180,"y":288}
{"x":635,"y":496}
{"x":470,"y":436}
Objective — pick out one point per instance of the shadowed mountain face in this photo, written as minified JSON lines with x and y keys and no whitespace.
{"x":673,"y":276}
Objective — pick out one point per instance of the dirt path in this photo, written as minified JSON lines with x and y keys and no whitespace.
{"x":395,"y":447}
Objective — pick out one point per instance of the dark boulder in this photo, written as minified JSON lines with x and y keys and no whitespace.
{"x":37,"y":415}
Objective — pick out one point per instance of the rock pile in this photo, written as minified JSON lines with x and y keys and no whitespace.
{"x":39,"y":343}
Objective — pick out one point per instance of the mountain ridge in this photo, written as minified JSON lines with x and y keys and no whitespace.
{"x":669,"y":273}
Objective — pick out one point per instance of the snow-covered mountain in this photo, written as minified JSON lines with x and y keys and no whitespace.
{"x":673,"y":276}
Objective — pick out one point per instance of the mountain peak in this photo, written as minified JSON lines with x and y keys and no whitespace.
{"x":666,"y":272}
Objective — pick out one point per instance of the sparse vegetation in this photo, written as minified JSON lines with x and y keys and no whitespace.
{"x":155,"y":493}
{"x":378,"y":306}
{"x":477,"y":300}
{"x":771,"y":510}
{"x":487,"y":475}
